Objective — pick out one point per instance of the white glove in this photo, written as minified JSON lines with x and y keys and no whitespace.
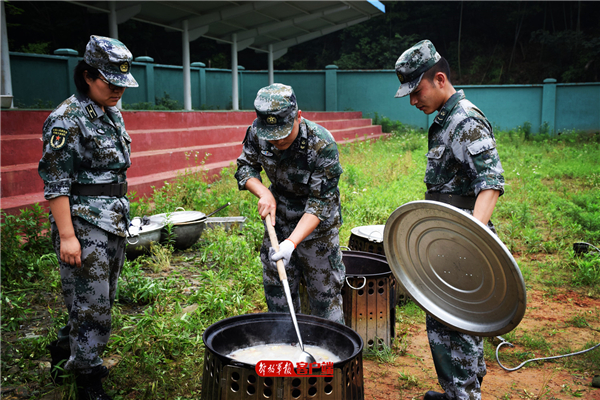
{"x":286,"y":248}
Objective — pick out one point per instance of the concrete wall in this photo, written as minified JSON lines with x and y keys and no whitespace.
{"x":44,"y":80}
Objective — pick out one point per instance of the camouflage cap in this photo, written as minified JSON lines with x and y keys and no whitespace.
{"x":112,"y":59}
{"x":276,"y":109}
{"x":413,"y":63}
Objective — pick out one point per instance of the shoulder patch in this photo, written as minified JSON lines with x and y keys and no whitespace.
{"x":58,"y":138}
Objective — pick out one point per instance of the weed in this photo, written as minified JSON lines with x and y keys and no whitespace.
{"x":160,"y":257}
{"x":407,"y":380}
{"x":25,"y":237}
{"x":578,"y":321}
{"x":587,"y":270}
{"x":381,"y":353}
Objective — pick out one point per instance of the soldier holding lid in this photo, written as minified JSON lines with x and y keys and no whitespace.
{"x":301,"y":161}
{"x":86,"y":155}
{"x":463,"y":170}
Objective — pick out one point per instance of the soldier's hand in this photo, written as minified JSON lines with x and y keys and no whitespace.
{"x":286,"y":248}
{"x":70,"y":251}
{"x":267,"y":205}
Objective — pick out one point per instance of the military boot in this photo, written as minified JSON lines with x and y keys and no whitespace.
{"x":89,"y":386}
{"x":435,"y":396}
{"x":59,"y":356}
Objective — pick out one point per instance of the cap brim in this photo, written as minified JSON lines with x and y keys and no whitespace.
{"x":406,"y":88}
{"x":123,"y":80}
{"x":269,"y":132}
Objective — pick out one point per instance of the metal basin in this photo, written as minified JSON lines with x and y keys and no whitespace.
{"x":187,"y":227}
{"x":141,"y":238}
{"x":185,"y":234}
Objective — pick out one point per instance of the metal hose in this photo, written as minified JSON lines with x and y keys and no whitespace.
{"x":533,"y":359}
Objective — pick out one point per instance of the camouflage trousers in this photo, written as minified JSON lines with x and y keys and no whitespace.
{"x":89,"y":293}
{"x":458,"y":360}
{"x":458,"y":357}
{"x":319,"y":261}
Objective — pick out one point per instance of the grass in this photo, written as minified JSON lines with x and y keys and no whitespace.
{"x":551,"y":202}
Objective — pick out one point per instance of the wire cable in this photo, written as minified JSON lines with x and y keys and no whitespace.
{"x":505,"y":342}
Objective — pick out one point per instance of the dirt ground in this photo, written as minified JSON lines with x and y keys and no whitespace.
{"x":539,"y":380}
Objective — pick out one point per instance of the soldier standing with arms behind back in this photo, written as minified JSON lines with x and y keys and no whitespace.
{"x":463,"y":170}
{"x":86,"y":155}
{"x":301,"y":160}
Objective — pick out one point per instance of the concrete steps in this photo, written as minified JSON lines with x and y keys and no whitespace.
{"x":164,"y":145}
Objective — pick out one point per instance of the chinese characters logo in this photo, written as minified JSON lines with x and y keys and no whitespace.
{"x":286,"y":368}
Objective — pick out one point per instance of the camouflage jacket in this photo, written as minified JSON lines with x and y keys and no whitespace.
{"x":462,"y":157}
{"x":304,"y":178}
{"x":84,"y":145}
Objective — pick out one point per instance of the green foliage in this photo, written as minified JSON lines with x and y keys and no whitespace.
{"x":25,"y":238}
{"x":163,"y":103}
{"x":408,"y":381}
{"x":36,"y":48}
{"x":372,"y":51}
{"x":38,"y":104}
{"x":586,"y":270}
{"x":387,"y":125}
{"x":381,"y":353}
{"x":571,"y":52}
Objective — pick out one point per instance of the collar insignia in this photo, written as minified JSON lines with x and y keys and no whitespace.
{"x":91,"y":111}
{"x":302,"y":144}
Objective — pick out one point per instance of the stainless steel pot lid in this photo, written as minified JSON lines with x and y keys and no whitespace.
{"x":455,"y":268}
{"x":178,"y":217}
{"x":374,"y":233}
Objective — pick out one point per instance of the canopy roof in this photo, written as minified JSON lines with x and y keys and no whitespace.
{"x":256,"y":25}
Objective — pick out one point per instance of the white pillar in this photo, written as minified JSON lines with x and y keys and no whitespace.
{"x":113,"y":27}
{"x":6,"y":82}
{"x":187,"y":82}
{"x":234,"y":74}
{"x":271,"y":74}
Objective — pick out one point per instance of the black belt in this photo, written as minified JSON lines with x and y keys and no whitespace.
{"x":456,"y":200}
{"x":100,"y":189}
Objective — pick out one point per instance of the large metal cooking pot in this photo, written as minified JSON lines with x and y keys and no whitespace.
{"x":367,"y":238}
{"x":226,"y":378}
{"x":141,"y":236}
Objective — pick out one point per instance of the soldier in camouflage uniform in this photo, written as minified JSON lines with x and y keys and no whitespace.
{"x":86,"y":155}
{"x":301,"y":161}
{"x":463,"y":170}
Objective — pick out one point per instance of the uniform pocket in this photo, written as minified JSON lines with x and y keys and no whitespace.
{"x":484,"y":154}
{"x":299,"y":176}
{"x":105,"y":153}
{"x":438,"y":166}
{"x":436,"y":153}
{"x":482,"y":145}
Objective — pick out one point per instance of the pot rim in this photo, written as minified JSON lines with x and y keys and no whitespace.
{"x":303,"y":319}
